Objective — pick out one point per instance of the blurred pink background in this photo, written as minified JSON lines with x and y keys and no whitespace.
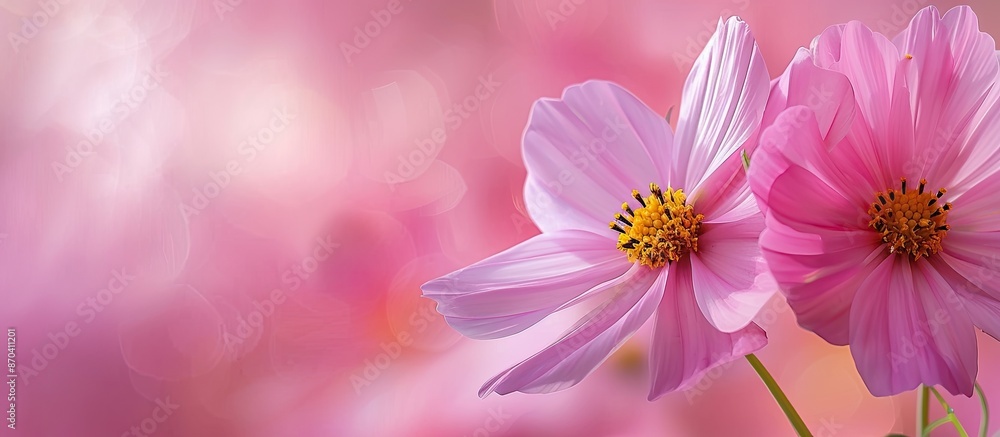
{"x":215,"y":216}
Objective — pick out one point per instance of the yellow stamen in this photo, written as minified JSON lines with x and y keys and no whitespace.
{"x":661,"y":231}
{"x":910,"y":222}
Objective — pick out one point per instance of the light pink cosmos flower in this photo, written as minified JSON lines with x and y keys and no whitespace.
{"x":879,"y":189}
{"x":686,"y":253}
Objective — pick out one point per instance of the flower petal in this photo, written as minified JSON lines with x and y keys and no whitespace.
{"x":721,"y":107}
{"x":827,"y":93}
{"x":817,"y":242}
{"x":975,"y":208}
{"x":983,"y":307}
{"x":819,"y":273}
{"x":951,"y":72}
{"x":826,"y":47}
{"x":731,"y":280}
{"x":587,"y":151}
{"x":908,"y":327}
{"x":973,"y":255}
{"x":511,"y":291}
{"x":869,"y":61}
{"x":685,"y":344}
{"x":567,"y":361}
{"x":800,"y":183}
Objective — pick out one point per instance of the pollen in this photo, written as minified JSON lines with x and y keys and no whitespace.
{"x":911,"y":222}
{"x":661,"y":230}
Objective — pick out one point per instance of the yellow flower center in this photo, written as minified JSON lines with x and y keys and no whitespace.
{"x":661,"y":231}
{"x":911,"y":222}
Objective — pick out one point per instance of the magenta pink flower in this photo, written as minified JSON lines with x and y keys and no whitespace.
{"x":879,"y":189}
{"x":687,"y":252}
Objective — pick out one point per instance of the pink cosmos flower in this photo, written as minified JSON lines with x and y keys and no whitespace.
{"x":687,"y":252}
{"x":878,"y":184}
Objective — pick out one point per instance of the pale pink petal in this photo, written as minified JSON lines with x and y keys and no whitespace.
{"x":817,"y":242}
{"x":819,"y":274}
{"x":587,"y":151}
{"x":805,"y":186}
{"x":511,"y":291}
{"x":731,"y":280}
{"x":721,"y":107}
{"x":826,"y":46}
{"x":827,"y":93}
{"x":685,"y":345}
{"x":984,"y":311}
{"x":567,"y":361}
{"x":740,"y":206}
{"x":908,"y":327}
{"x":974,"y":256}
{"x":983,"y":307}
{"x":950,"y":69}
{"x":869,"y":61}
{"x":974,"y":174}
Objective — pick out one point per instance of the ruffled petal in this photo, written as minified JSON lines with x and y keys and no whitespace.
{"x":817,"y":242}
{"x":721,"y":108}
{"x":685,"y":344}
{"x":908,"y":327}
{"x":819,"y":273}
{"x":826,"y":46}
{"x":827,"y":93}
{"x":950,"y":68}
{"x":869,"y":61}
{"x":804,"y":186}
{"x":587,"y":151}
{"x":731,"y":280}
{"x":567,"y":361}
{"x":983,"y":307}
{"x":511,"y":291}
{"x":974,"y":256}
{"x":975,"y":208}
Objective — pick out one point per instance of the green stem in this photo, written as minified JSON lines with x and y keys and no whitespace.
{"x":923,"y":408}
{"x":951,"y":417}
{"x":984,"y":422}
{"x":927,"y":431}
{"x":779,"y":396}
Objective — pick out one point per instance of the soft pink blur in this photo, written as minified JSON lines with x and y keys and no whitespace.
{"x":265,"y":190}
